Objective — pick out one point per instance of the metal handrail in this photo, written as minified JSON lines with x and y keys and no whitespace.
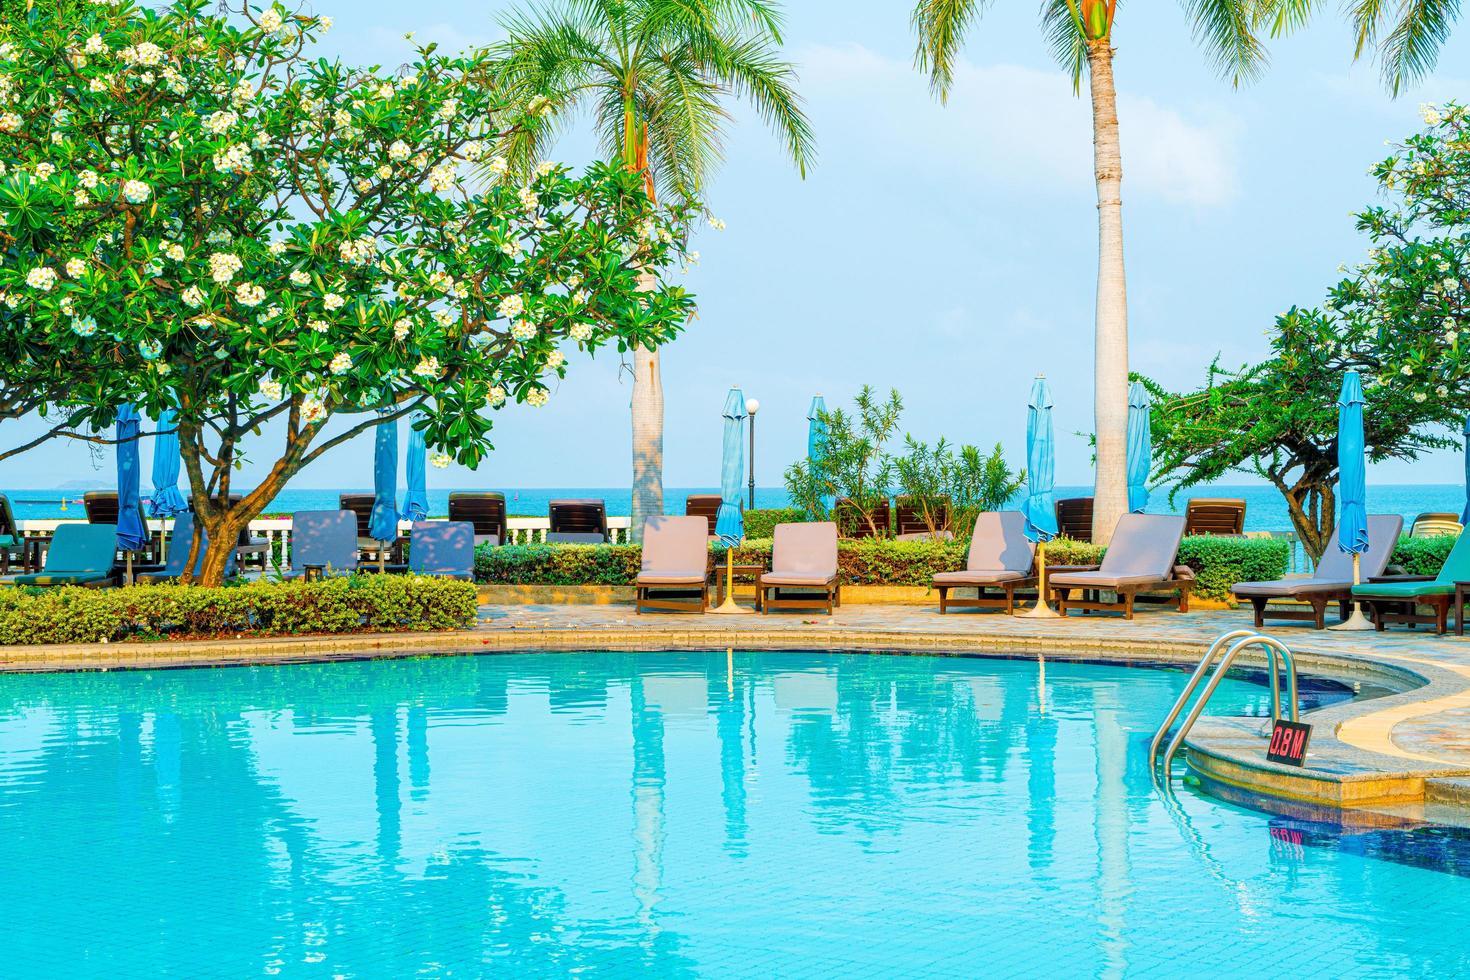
{"x":1274,"y":648}
{"x":1194,"y":679}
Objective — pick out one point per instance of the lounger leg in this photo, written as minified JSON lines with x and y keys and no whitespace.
{"x":1062,"y":594}
{"x":943,"y":592}
{"x":1259,"y":605}
{"x":1378,"y":622}
{"x":1319,"y":613}
{"x":1127,"y":604}
{"x":1010,"y":599}
{"x":1184,"y":599}
{"x":1442,"y":614}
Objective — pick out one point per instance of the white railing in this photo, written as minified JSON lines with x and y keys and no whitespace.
{"x":276,"y":531}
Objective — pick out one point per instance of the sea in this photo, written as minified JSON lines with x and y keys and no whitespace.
{"x":1265,"y":508}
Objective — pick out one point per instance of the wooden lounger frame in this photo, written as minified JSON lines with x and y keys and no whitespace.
{"x":1317,"y":615}
{"x":682,"y":603}
{"x":1127,"y":596}
{"x":983,"y":600}
{"x":826,"y":596}
{"x":1378,"y":609}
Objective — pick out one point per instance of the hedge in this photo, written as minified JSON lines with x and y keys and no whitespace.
{"x":377,"y":603}
{"x":1218,"y":562}
{"x":762,"y":523}
{"x":1422,"y":556}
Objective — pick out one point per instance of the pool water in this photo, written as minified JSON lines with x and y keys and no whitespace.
{"x":652,"y":814}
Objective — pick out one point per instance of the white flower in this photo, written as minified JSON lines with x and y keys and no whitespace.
{"x":95,"y":45}
{"x":449,"y":109}
{"x":342,"y":117}
{"x":325,"y":23}
{"x":427,"y":367}
{"x":581,"y":332}
{"x":332,"y":301}
{"x":299,"y":278}
{"x":420,"y":160}
{"x":220,"y":122}
{"x":1406,"y":371}
{"x":1429,"y":114}
{"x":1442,"y":392}
{"x":441,"y":178}
{"x":100,"y":84}
{"x":537,"y":397}
{"x":174,"y":251}
{"x":1451,"y":284}
{"x":319,"y":326}
{"x":9,"y":122}
{"x":580,"y":297}
{"x":511,"y":306}
{"x":42,"y":278}
{"x":442,"y":317}
{"x":84,"y":326}
{"x":386,"y":91}
{"x":363,"y":185}
{"x":555,"y":359}
{"x":441,"y":461}
{"x":270,"y":389}
{"x":341,"y":363}
{"x":223,"y":266}
{"x":716,"y":224}
{"x":400,"y":328}
{"x":511,"y":248}
{"x":384,"y":172}
{"x":529,"y":199}
{"x":232,"y":158}
{"x":270,"y":21}
{"x":277,"y":249}
{"x":249,"y":294}
{"x":44,"y":171}
{"x":76,"y":268}
{"x":243,"y":91}
{"x":498,"y":166}
{"x":193,"y":297}
{"x":496,"y":396}
{"x":523,"y":330}
{"x":473,"y":150}
{"x":1419,"y":396}
{"x":88,"y":179}
{"x":136,"y":191}
{"x":312,"y":409}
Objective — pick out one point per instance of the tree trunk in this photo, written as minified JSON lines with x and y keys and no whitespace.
{"x":648,"y":440}
{"x":1110,"y":379}
{"x":1312,"y":506}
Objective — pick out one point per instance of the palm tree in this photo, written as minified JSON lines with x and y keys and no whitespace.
{"x":1080,"y":33}
{"x":654,"y":76}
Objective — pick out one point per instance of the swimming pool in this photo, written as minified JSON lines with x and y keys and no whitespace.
{"x":613,"y":814}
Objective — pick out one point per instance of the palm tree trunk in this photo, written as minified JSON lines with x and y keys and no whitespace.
{"x":1110,"y":379}
{"x":648,"y":440}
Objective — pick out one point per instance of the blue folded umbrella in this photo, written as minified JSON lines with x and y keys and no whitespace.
{"x":1040,"y":505}
{"x":730,"y":523}
{"x":131,"y":534}
{"x":383,"y":522}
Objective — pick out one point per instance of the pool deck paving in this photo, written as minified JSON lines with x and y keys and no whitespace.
{"x":1403,"y":750}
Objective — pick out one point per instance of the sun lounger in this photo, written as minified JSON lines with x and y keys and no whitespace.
{"x":706,"y":505}
{"x":325,"y":540}
{"x":1331,"y":582}
{"x":12,"y":542}
{"x":1140,"y":558}
{"x":675,"y":572}
{"x":1394,"y":601}
{"x":445,"y":549}
{"x":484,"y":511}
{"x":1074,"y":518}
{"x":803,"y":561}
{"x":369,"y":547}
{"x":1435,"y":523}
{"x":102,"y":508}
{"x":1000,"y":558}
{"x":80,"y":554}
{"x":179,"y":543}
{"x":577,"y":522}
{"x":1219,"y":516}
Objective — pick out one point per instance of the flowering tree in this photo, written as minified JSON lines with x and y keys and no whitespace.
{"x":206,"y":219}
{"x":1399,"y":319}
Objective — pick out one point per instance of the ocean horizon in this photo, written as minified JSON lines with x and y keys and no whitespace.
{"x":1265,"y":508}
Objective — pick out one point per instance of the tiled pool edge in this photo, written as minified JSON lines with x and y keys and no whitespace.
{"x":1225,"y":751}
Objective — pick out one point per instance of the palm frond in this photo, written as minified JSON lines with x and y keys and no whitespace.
{"x":752,"y":70}
{"x":1282,"y":17}
{"x":1411,"y":50}
{"x":1226,"y":29}
{"x":939,"y":27}
{"x":1065,"y":40}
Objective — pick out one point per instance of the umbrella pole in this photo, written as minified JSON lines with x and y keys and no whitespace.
{"x":1357,"y":621}
{"x":729,"y":607}
{"x":1041,"y":610}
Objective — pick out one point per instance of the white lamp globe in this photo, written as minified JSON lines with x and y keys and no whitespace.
{"x":752,"y":406}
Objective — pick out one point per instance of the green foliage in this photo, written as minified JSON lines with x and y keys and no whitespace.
{"x":1397,"y":319}
{"x":854,"y":463}
{"x":1422,"y":556}
{"x":377,"y":603}
{"x":762,"y":523}
{"x":950,"y":490}
{"x":1218,"y":562}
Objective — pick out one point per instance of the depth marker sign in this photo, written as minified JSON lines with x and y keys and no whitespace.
{"x":1289,"y":743}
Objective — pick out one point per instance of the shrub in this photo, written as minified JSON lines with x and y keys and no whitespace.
{"x":1218,"y":562}
{"x":1422,"y":556}
{"x":762,"y":523}
{"x":380,"y":603}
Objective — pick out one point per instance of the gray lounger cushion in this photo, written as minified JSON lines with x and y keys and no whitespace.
{"x":675,"y":551}
{"x":1142,"y":552}
{"x":803,"y":554}
{"x":1335,"y":571}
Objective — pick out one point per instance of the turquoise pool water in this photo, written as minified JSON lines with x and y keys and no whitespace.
{"x":615,"y":815}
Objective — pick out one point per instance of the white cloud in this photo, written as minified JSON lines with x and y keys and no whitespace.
{"x":1015,"y":125}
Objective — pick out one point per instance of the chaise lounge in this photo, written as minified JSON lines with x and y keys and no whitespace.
{"x":1000,"y":558}
{"x":445,"y":549}
{"x":80,"y":554}
{"x":484,"y":510}
{"x":180,"y":542}
{"x":1395,"y":601}
{"x":1140,"y":558}
{"x":675,"y":571}
{"x":1332,"y":581}
{"x":803,"y":561}
{"x":323,"y":542}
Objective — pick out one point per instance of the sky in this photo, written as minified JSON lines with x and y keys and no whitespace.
{"x":950,"y":251}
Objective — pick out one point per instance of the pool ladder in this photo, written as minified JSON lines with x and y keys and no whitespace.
{"x":1238,"y":640}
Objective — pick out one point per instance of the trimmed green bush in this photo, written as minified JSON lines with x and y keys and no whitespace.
{"x":762,"y":523}
{"x":1218,"y":562}
{"x":1421,"y":556}
{"x":375,"y":603}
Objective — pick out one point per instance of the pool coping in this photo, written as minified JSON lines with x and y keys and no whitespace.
{"x":1354,"y":761}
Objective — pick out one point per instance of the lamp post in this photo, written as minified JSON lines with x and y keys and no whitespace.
{"x":751,"y":407}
